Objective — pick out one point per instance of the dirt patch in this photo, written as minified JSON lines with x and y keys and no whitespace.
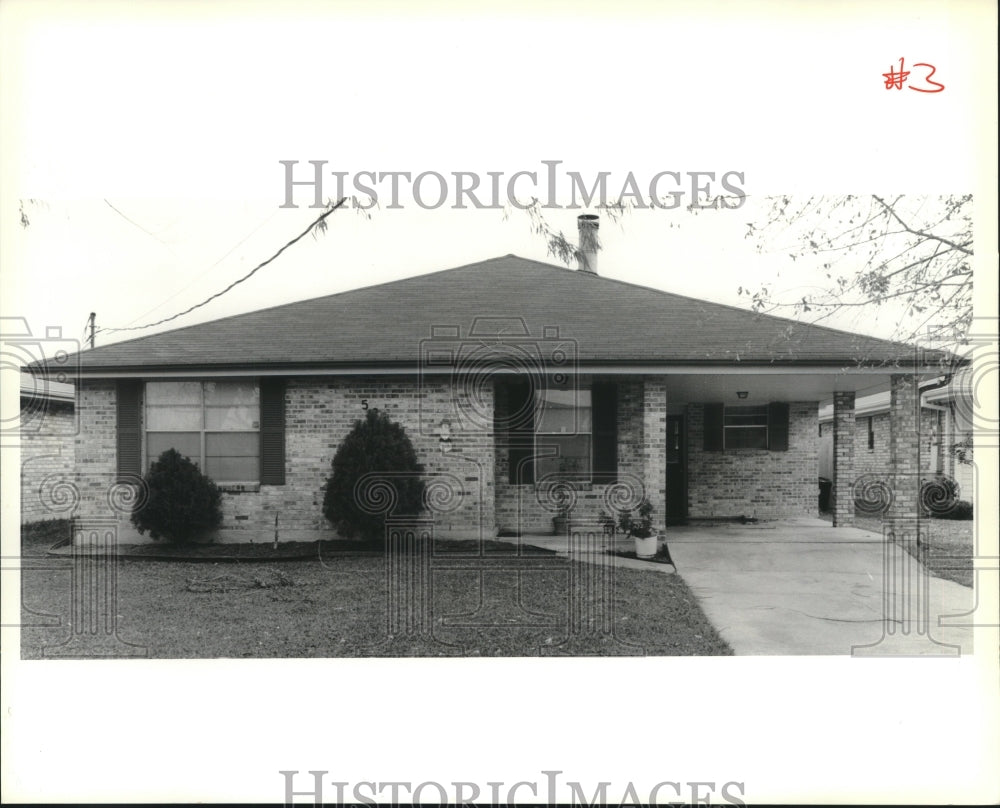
{"x":228,"y":582}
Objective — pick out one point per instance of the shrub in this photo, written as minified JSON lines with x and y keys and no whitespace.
{"x":376,"y":445}
{"x":961,"y":510}
{"x":938,"y":495}
{"x":182,"y":503}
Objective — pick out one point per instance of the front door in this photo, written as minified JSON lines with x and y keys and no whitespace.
{"x":676,"y":507}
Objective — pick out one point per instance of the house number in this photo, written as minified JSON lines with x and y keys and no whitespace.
{"x":364,"y":403}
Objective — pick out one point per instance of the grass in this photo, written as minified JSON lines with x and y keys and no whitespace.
{"x":498,"y":603}
{"x":946,"y":546}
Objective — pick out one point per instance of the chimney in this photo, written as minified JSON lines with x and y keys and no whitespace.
{"x":587,"y":225}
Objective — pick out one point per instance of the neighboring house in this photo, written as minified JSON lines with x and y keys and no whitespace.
{"x":519,"y":383}
{"x":945,"y":433}
{"x":47,"y":434}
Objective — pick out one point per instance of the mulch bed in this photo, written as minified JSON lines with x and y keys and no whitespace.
{"x":298,"y":551}
{"x":661,"y":557}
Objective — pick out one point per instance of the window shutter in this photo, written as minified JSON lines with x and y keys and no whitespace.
{"x":272,"y":431}
{"x":714,"y":428}
{"x":604,"y":400}
{"x":129,"y":430}
{"x":521,"y":432}
{"x":777,"y":426}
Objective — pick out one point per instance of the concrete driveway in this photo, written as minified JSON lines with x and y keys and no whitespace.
{"x":804,"y":587}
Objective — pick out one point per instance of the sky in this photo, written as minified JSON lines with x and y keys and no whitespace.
{"x":143,"y":140}
{"x":137,"y":261}
{"x":169,"y":187}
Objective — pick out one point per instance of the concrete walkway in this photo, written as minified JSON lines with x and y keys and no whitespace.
{"x":804,"y":587}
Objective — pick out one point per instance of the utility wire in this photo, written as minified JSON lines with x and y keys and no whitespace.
{"x":318,"y":222}
{"x":203,"y":274}
{"x":136,"y":224}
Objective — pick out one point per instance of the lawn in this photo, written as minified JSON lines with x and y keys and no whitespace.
{"x":500,"y":602}
{"x":946,"y":547}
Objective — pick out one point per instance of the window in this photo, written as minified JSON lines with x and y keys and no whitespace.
{"x":216,"y":424}
{"x":563,"y":427}
{"x":756,"y":427}
{"x":559,"y":430}
{"x":871,"y":433}
{"x":745,"y":427}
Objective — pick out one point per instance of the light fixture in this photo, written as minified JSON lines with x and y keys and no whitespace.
{"x":444,"y":433}
{"x":742,"y":394}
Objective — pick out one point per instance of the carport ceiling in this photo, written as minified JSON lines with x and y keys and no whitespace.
{"x":761,"y":388}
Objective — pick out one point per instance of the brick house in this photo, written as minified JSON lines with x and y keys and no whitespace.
{"x":520,"y":383}
{"x":47,"y":430}
{"x":945,"y":423}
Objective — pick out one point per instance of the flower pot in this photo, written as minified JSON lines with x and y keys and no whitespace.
{"x":645,"y":548}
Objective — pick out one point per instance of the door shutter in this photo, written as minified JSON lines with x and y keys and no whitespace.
{"x":604,"y":400}
{"x":272,"y":431}
{"x":129,"y":430}
{"x":777,"y":426}
{"x":714,"y":429}
{"x":521,"y":432}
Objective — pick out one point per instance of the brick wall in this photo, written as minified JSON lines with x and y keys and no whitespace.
{"x":319,"y":413}
{"x":876,"y":460}
{"x":477,"y":497}
{"x":95,"y":452}
{"x":755,"y":482}
{"x":654,"y":443}
{"x":904,"y":455}
{"x":47,"y":477}
{"x":844,"y":451}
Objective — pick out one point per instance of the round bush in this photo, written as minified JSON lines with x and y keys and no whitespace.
{"x":961,"y":511}
{"x":375,"y":446}
{"x":182,"y":502}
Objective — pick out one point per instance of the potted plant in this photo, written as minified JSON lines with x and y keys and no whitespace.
{"x":640,"y":528}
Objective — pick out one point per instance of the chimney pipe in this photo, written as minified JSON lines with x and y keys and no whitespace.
{"x":587,"y":225}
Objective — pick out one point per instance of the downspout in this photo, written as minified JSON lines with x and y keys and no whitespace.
{"x":944,"y":381}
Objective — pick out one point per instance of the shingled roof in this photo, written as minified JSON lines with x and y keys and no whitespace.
{"x":611,"y":323}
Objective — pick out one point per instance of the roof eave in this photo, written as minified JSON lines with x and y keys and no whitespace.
{"x":635,"y":365}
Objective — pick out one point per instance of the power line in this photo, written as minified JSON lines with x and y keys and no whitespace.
{"x":136,"y":224}
{"x":209,"y":269}
{"x":318,"y":222}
